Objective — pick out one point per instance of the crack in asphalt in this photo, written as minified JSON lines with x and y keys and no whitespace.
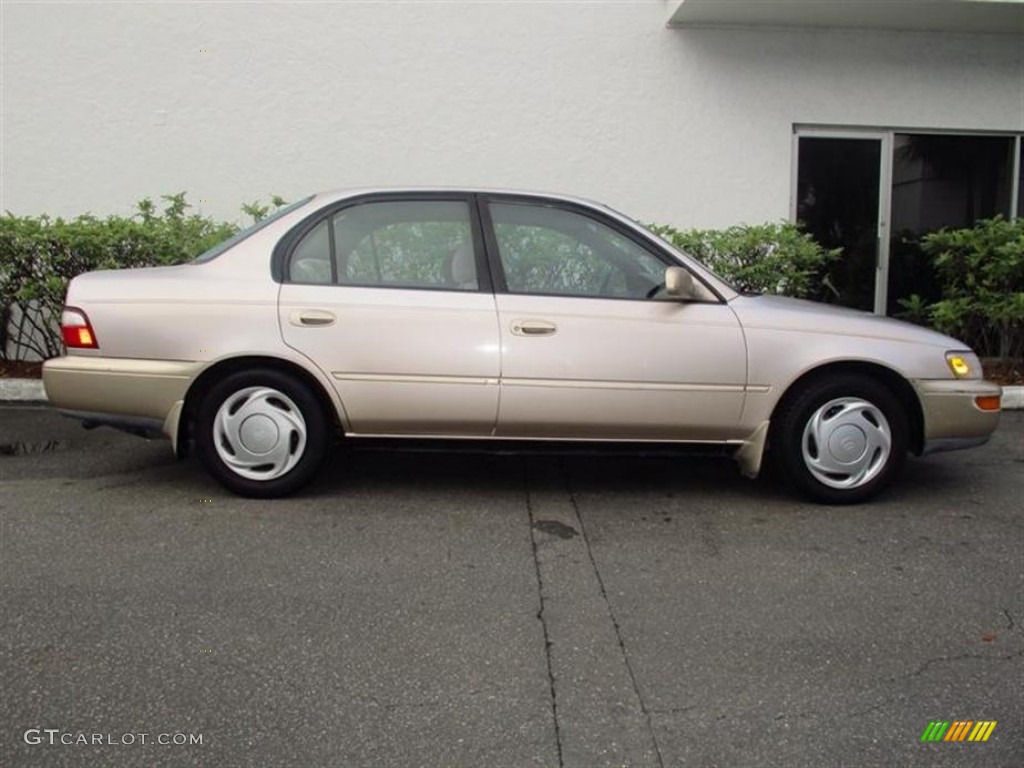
{"x":960,"y":657}
{"x":673,"y":710}
{"x":540,"y":612}
{"x":875,"y":707}
{"x":611,"y":615}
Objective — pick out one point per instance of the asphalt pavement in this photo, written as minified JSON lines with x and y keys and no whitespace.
{"x":488,"y":610}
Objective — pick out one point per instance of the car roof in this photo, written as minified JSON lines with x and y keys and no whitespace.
{"x":346,"y":192}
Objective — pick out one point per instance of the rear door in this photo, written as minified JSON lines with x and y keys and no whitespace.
{"x":391,"y":297}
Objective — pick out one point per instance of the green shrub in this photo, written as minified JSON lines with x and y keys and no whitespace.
{"x":981,"y":270}
{"x":259,"y":211}
{"x":765,"y":258}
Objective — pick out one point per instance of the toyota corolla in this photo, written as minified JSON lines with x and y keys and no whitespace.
{"x":499,"y":317}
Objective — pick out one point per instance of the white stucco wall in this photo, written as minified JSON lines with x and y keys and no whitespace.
{"x":105,"y":103}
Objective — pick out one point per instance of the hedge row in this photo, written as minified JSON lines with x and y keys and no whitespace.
{"x":40,"y":255}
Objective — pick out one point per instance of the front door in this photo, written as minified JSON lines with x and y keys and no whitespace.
{"x":591,"y":348}
{"x":389,"y":298}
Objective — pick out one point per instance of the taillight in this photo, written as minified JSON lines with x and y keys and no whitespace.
{"x":76,"y":330}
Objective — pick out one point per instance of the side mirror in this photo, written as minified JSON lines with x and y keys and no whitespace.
{"x":680,"y":284}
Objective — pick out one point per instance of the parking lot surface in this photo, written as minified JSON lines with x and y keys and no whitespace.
{"x":489,"y":610}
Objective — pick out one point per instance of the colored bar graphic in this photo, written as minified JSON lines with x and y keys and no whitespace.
{"x":959,"y":730}
{"x":935,"y":730}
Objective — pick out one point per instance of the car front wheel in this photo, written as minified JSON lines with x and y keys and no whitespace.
{"x":261,"y":433}
{"x":840,"y":440}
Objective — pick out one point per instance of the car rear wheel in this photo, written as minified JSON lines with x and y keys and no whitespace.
{"x":262,"y":433}
{"x":840,"y":440}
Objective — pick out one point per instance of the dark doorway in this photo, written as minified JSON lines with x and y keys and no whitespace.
{"x":837,"y":202}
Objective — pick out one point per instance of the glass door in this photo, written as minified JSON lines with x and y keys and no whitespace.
{"x":841,"y":198}
{"x":941,"y":180}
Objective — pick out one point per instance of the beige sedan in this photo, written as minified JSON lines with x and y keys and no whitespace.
{"x":499,"y":317}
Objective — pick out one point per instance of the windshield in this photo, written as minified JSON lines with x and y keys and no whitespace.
{"x":238,"y":237}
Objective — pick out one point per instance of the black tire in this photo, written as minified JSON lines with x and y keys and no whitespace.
{"x":854,"y":402}
{"x":280,"y":417}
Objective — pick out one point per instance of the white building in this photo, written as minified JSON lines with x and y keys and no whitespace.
{"x":864,"y":118}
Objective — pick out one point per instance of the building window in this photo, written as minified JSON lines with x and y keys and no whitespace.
{"x":941,"y":181}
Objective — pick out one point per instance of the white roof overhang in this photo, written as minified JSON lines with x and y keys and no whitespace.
{"x":955,"y":16}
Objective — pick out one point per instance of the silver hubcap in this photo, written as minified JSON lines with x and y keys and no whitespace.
{"x":846,"y":443}
{"x":259,"y":433}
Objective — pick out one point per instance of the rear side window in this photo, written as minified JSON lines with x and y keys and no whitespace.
{"x":397,"y":244}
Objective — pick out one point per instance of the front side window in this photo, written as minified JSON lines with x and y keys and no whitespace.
{"x":552,"y":251}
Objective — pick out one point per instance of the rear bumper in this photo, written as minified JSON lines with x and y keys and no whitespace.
{"x":952,"y":418}
{"x":105,"y":389}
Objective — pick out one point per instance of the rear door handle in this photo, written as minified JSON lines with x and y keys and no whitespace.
{"x":309,"y":318}
{"x":533,"y":328}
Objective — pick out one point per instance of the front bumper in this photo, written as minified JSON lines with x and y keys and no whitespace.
{"x":105,"y":390}
{"x":952,"y":418}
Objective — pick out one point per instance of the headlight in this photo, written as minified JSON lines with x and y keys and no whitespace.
{"x":964,"y":364}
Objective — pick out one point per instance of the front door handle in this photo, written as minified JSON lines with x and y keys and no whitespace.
{"x":310,"y":318}
{"x":533,"y":328}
